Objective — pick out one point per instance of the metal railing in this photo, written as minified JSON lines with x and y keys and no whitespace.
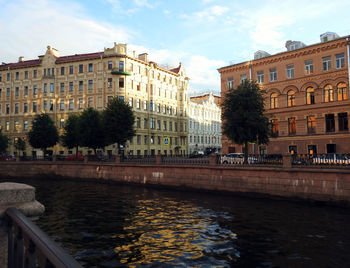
{"x":185,"y":159}
{"x":30,"y":247}
{"x":238,"y":159}
{"x":330,"y":160}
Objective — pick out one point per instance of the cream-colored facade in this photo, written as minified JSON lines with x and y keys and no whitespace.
{"x":204,"y":123}
{"x":63,"y":85}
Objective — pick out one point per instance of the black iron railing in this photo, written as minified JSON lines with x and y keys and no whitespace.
{"x":29,"y":246}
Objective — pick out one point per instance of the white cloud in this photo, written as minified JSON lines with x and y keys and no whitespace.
{"x":143,"y":3}
{"x":209,"y":13}
{"x":42,"y":23}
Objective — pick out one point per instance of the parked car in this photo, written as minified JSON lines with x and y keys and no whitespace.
{"x":78,"y":157}
{"x":232,"y":158}
{"x":10,"y":157}
{"x":196,"y":154}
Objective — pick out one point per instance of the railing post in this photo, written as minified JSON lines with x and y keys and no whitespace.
{"x":19,"y":249}
{"x":287,"y":160}
{"x":158,"y":159}
{"x":212,"y":160}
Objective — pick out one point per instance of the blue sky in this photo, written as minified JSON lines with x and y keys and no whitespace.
{"x":202,"y":34}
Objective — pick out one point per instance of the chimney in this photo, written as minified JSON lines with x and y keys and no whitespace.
{"x":20,"y":59}
{"x":143,"y":57}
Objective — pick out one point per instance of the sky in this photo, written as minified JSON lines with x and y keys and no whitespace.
{"x":202,"y":34}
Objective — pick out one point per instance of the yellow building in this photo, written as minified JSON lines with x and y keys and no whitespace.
{"x":63,"y":85}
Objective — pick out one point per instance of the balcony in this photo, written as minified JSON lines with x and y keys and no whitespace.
{"x":118,"y":72}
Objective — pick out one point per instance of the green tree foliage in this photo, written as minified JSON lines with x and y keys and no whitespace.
{"x":4,"y":142}
{"x":118,"y":122}
{"x":71,"y":135}
{"x":91,"y":129}
{"x":43,"y":133}
{"x":20,"y":145}
{"x":243,"y":116}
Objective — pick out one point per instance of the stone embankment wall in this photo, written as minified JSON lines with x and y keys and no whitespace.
{"x":311,"y":183}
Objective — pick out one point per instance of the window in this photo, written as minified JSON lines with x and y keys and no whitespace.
{"x":62,"y":105}
{"x":274,"y":127}
{"x":91,"y":85}
{"x":121,"y":66}
{"x":110,"y":65}
{"x":310,"y":95}
{"x":243,"y":77}
{"x":109,"y":83}
{"x":70,"y":86}
{"x":25,"y":75}
{"x":138,"y":103}
{"x":80,"y":103}
{"x":170,"y":126}
{"x":273,"y":74}
{"x":91,"y":68}
{"x":8,"y":92}
{"x":230,"y":83}
{"x":290,"y":98}
{"x":17,"y":91}
{"x":131,"y":102}
{"x":152,"y":123}
{"x":62,"y":70}
{"x":309,"y":67}
{"x":62,"y":87}
{"x":274,"y":101}
{"x":330,"y":125}
{"x":145,"y":123}
{"x":35,"y":90}
{"x":35,"y":107}
{"x":35,"y":73}
{"x":51,"y":105}
{"x":61,"y":122}
{"x":164,"y":125}
{"x":16,"y":126}
{"x":311,"y":124}
{"x":342,"y":92}
{"x":326,"y":63}
{"x":291,"y":126}
{"x":290,"y":71}
{"x":138,"y":87}
{"x":158,"y":124}
{"x":328,"y":94}
{"x":138,"y":139}
{"x":151,"y":105}
{"x":17,"y":75}
{"x":52,"y":89}
{"x":25,"y":125}
{"x":7,"y":108}
{"x":25,"y":107}
{"x":7,"y":126}
{"x":339,"y":61}
{"x":145,"y":105}
{"x":261,"y":77}
{"x":70,"y":104}
{"x":8,"y":77}
{"x":90,"y":102}
{"x":152,"y":141}
{"x":16,"y":108}
{"x":45,"y":105}
{"x":81,"y":68}
{"x":25,"y":91}
{"x":81,"y":85}
{"x":145,"y":142}
{"x":71,"y":69}
{"x":121,"y":82}
{"x":138,"y":122}
{"x":175,"y":126}
{"x":45,"y":88}
{"x":343,"y":121}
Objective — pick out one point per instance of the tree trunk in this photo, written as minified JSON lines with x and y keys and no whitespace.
{"x":76,"y":151}
{"x":245,"y":152}
{"x":95,"y":151}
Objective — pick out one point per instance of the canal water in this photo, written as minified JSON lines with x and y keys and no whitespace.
{"x":104,"y":225}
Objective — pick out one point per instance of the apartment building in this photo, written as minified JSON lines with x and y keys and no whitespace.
{"x":204,"y":123}
{"x":62,"y":85}
{"x":306,"y":91}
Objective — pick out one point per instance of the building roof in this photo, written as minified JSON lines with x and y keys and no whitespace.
{"x":21,"y":64}
{"x":78,"y":57}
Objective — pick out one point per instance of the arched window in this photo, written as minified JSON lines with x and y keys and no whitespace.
{"x":310,"y":95}
{"x":274,"y":101}
{"x":328,"y":93}
{"x":342,"y":92}
{"x":290,"y":98}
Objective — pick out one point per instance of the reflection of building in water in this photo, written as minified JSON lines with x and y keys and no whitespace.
{"x":204,"y":123}
{"x":170,"y":233}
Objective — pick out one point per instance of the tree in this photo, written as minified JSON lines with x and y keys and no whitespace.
{"x":43,"y":133}
{"x":118,"y":122}
{"x":243,"y":116}
{"x":91,"y":129}
{"x":71,"y":135}
{"x":20,"y":145}
{"x":4,"y":142}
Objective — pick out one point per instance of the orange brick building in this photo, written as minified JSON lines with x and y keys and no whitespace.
{"x":306,"y":93}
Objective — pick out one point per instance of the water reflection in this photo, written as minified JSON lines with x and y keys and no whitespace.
{"x":175,"y":232}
